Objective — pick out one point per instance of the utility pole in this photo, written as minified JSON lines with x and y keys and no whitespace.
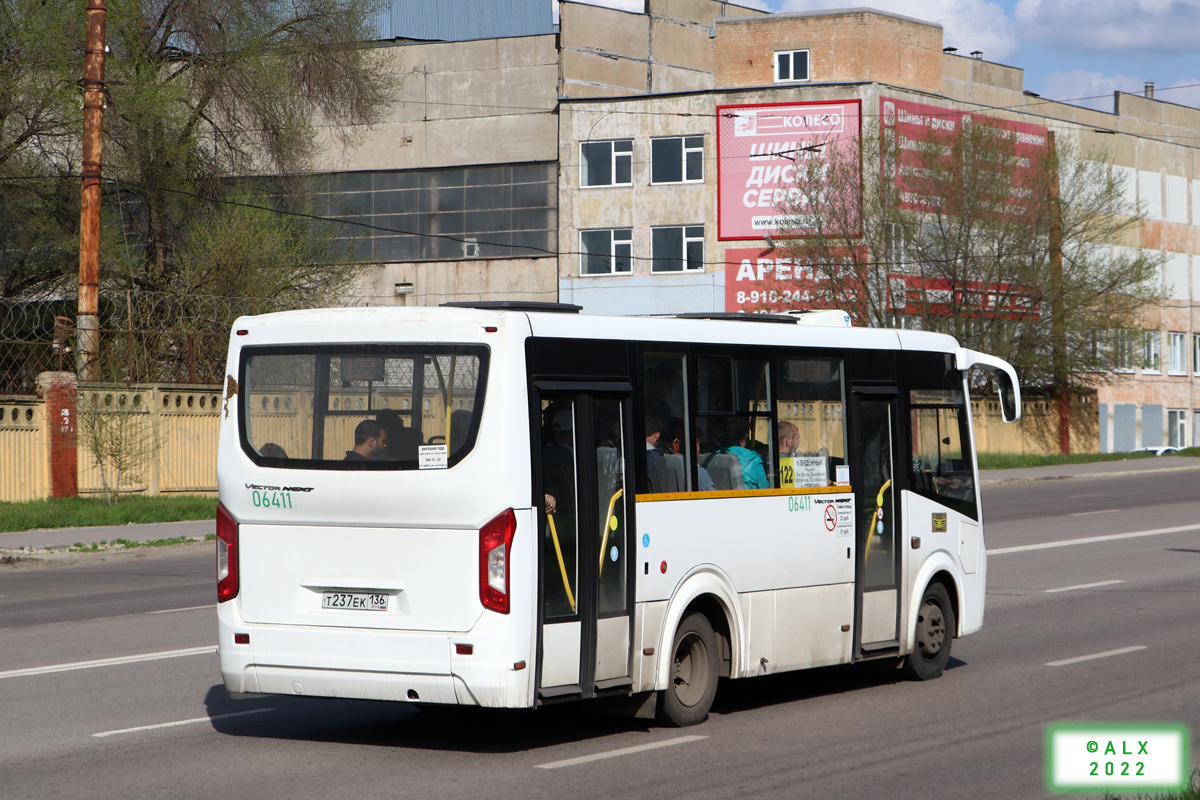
{"x":1057,"y":302}
{"x":88,"y":321}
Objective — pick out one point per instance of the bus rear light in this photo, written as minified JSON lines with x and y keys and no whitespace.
{"x":495,"y":544}
{"x":464,"y":649}
{"x":227,"y":555}
{"x":241,"y":638}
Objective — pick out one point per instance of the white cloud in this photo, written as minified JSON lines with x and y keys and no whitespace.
{"x":969,"y":24}
{"x":1185,"y":92}
{"x":1082,"y":87}
{"x":1102,"y":26}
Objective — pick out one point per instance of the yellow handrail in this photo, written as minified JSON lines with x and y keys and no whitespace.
{"x":876,"y":515}
{"x":607,"y":521}
{"x":562,"y":567}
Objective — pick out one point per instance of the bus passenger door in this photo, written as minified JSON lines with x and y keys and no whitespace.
{"x":585,"y":580}
{"x":877,"y":520}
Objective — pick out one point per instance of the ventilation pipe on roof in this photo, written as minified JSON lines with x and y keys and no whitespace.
{"x":1149,"y":90}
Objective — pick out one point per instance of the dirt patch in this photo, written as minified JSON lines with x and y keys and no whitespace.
{"x":40,"y":558}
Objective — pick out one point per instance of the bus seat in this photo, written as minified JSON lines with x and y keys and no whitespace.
{"x":726,"y":471}
{"x":667,"y":474}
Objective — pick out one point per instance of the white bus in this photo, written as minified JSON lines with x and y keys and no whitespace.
{"x":513,"y":504}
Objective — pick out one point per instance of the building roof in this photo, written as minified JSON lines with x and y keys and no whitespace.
{"x":464,"y":20}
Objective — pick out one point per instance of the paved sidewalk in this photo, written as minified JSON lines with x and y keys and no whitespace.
{"x":65,"y":537}
{"x":1111,"y":469}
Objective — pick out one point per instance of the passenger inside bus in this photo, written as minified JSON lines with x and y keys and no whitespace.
{"x":402,"y":442}
{"x":754,"y":474}
{"x":370,"y":441}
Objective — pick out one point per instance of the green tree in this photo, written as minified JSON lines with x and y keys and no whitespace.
{"x":206,"y":99}
{"x":1023,"y":255}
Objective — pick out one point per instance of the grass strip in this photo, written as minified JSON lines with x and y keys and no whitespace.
{"x":129,"y":544}
{"x":1189,"y":792}
{"x":79,"y":512}
{"x":1019,"y":461}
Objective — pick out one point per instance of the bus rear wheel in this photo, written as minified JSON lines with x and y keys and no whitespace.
{"x":935,"y":632}
{"x":692,"y":681}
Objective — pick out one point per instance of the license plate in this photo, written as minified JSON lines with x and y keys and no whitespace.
{"x":358,"y":601}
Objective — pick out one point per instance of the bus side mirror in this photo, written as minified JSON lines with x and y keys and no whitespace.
{"x":1008,"y":397}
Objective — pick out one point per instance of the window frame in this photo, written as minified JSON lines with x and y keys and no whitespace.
{"x":791,"y":54}
{"x":682,"y":257}
{"x":683,"y":163}
{"x":1176,"y":352}
{"x":1196,"y":353}
{"x":613,"y":156}
{"x":1152,"y":352}
{"x":613,"y":255}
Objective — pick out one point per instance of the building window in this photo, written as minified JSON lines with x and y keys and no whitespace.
{"x":677,"y":249}
{"x":678,"y":159}
{"x":606,"y":163}
{"x":1151,"y":352}
{"x":1177,"y":353}
{"x":1176,"y":427}
{"x":606,"y":252}
{"x":1124,"y":342}
{"x":1196,"y":353}
{"x":791,"y":65}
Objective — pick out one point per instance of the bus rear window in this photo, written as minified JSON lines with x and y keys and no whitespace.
{"x":361,"y":406}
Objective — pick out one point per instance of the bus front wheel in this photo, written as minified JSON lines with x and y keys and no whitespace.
{"x":935,"y":632}
{"x":693,"y":673}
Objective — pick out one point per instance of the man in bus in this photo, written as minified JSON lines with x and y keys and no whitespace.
{"x":370,"y":439}
{"x":789,"y":438}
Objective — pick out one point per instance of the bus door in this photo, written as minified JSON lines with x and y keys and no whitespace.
{"x":585,"y":579}
{"x":877,"y":519}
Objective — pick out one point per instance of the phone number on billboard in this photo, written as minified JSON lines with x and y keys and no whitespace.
{"x":776,"y":296}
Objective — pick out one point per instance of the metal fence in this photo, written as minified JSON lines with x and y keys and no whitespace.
{"x":145,"y":337}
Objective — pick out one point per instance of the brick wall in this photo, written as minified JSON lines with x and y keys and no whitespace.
{"x":860,"y":46}
{"x":58,"y":390}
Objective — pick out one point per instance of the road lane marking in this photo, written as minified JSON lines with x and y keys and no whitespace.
{"x":1092,"y":539}
{"x":178,"y":723}
{"x":109,"y":662}
{"x":1089,"y":513}
{"x":624,"y":751}
{"x":173,"y":610}
{"x":1083,"y":586}
{"x":1094,"y":656}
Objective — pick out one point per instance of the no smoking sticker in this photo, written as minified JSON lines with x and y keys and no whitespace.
{"x":831,"y":517}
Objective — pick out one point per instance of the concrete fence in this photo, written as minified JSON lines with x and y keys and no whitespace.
{"x":179,"y":424}
{"x":174,"y":426}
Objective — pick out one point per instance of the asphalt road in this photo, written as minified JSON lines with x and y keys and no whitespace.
{"x":839,"y":732}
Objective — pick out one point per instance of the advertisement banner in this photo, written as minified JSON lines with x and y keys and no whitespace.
{"x":762,"y":281}
{"x":918,"y":142}
{"x":761,"y":147}
{"x":908,"y":294}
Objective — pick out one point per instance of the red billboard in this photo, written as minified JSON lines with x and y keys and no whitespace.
{"x":918,"y":151}
{"x":764,"y":281}
{"x":939,"y":297}
{"x":761,"y":148}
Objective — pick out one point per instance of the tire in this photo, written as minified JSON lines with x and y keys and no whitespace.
{"x":934,"y":634}
{"x":692,"y":680}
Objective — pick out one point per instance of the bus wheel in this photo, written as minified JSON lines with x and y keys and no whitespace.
{"x":693,"y":674}
{"x":935,"y":632}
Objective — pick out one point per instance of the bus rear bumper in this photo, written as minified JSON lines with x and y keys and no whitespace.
{"x":405,"y":666}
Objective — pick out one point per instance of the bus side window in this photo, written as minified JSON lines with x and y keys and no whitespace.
{"x":811,"y":405}
{"x":735,"y":440}
{"x":664,"y":403}
{"x":941,"y":466}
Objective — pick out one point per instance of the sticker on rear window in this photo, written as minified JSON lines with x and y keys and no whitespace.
{"x":433,"y":456}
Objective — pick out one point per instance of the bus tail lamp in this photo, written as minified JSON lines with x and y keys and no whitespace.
{"x":495,"y":543}
{"x":227,"y":555}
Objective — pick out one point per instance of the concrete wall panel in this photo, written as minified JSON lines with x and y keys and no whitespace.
{"x":681,"y":45}
{"x":604,"y":30}
{"x":618,"y":73}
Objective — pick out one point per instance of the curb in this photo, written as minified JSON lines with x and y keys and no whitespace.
{"x":1123,"y":473}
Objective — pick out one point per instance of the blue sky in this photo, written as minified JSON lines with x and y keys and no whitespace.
{"x":1069,"y":49}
